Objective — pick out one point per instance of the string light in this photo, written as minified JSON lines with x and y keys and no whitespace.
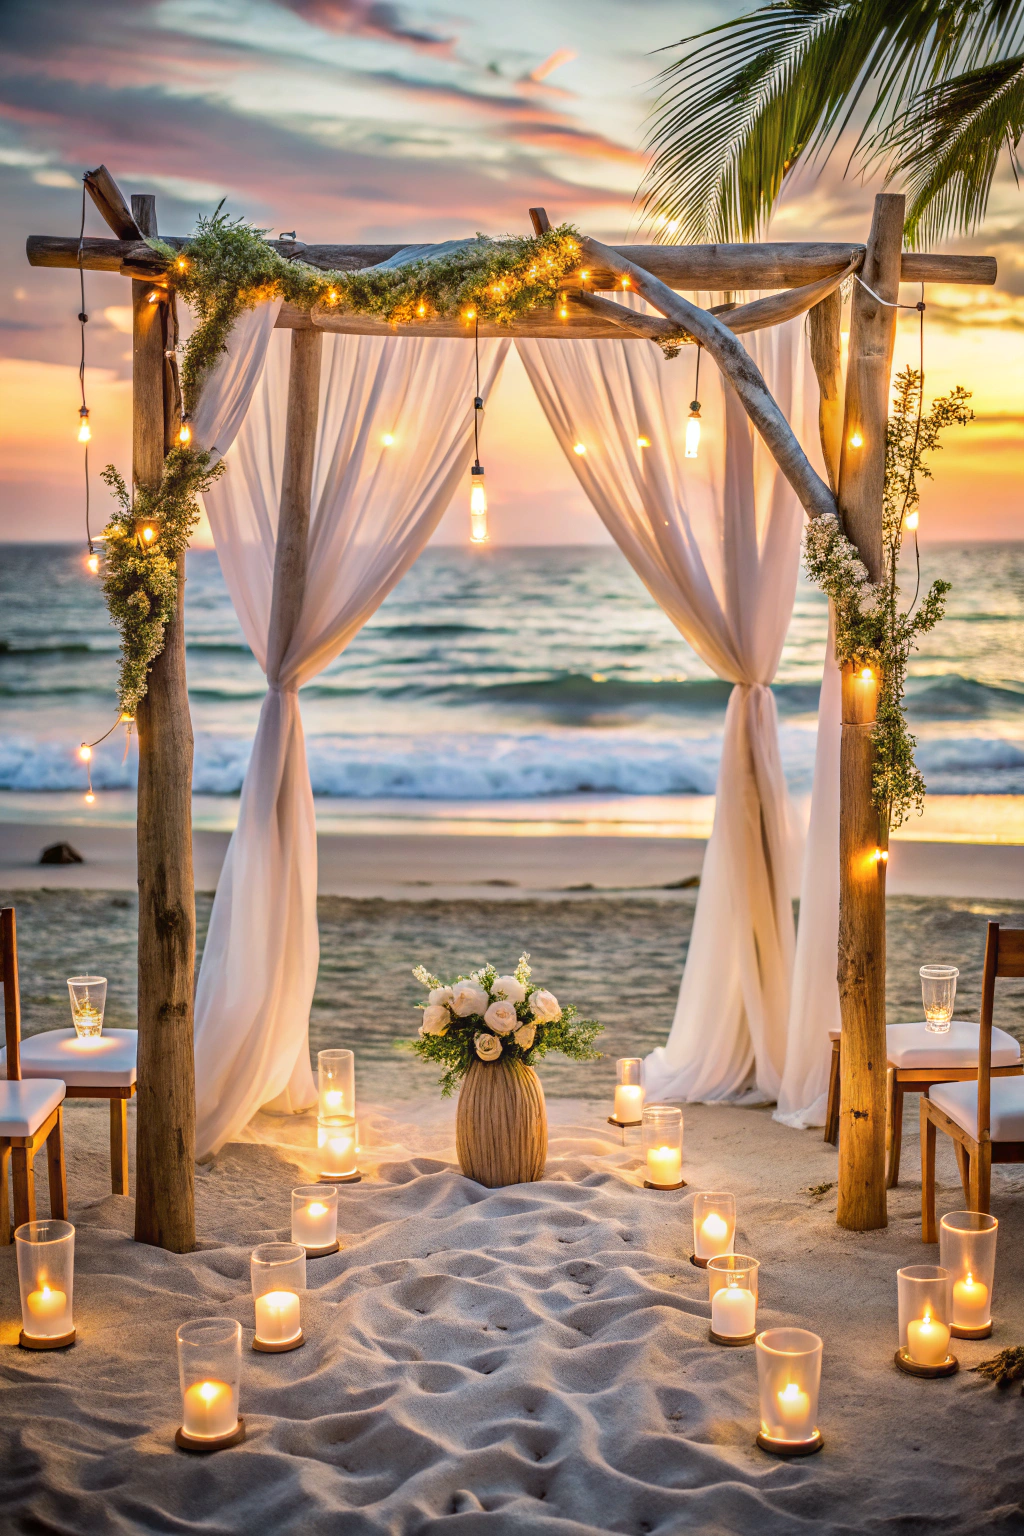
{"x":148,"y":532}
{"x":85,"y":752}
{"x":93,"y":563}
{"x":856,"y":440}
{"x":84,"y":430}
{"x":693,"y":424}
{"x":387,"y":438}
{"x":154,"y":297}
{"x":478,"y":533}
{"x":564,"y":313}
{"x":880,"y":856}
{"x":184,"y":431}
{"x":867,"y":674}
{"x":579,"y":448}
{"x":911,"y":520}
{"x":643,"y":442}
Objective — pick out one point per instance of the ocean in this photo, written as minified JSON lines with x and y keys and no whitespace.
{"x":539,"y":685}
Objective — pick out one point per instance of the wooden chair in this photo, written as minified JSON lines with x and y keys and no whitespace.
{"x":31,"y":1112}
{"x":985,"y":1119}
{"x":89,"y":1069}
{"x":918,"y":1060}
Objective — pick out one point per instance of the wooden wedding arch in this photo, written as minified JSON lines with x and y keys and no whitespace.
{"x":805,"y":277}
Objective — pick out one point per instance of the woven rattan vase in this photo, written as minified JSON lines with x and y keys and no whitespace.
{"x":501,"y":1130}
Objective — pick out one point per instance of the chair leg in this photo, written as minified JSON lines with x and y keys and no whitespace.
{"x":6,"y":1234}
{"x":23,"y":1179}
{"x":56,"y":1169}
{"x":963,"y":1161}
{"x":119,"y":1146}
{"x":895,"y":1131}
{"x":928,"y":1233}
{"x":832,"y":1112}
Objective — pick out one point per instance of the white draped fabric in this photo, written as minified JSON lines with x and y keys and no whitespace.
{"x":374,"y":506}
{"x":815,"y":1005}
{"x":716,"y":542}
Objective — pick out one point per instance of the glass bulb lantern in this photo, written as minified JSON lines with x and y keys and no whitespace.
{"x":88,"y":1004}
{"x":967,"y":1249}
{"x":209,"y":1368}
{"x":478,"y":533}
{"x":924,"y":1293}
{"x":788,"y":1382}
{"x":46,"y":1275}
{"x":629,"y":1092}
{"x":315,"y":1219}
{"x":714,"y":1227}
{"x":84,"y":430}
{"x":661,"y":1131}
{"x":278,"y":1272}
{"x":693,"y":431}
{"x":732,"y":1289}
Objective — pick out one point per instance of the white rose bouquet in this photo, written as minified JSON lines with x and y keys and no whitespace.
{"x":492,"y":1018}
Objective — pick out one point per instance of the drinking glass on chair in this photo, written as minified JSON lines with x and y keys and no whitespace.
{"x":938,"y":992}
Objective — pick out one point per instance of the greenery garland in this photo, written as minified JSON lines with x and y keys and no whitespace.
{"x":870,"y":627}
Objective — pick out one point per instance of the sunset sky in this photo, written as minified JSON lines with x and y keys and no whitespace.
{"x":354,"y":120}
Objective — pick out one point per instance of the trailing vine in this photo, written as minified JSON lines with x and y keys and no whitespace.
{"x":871,"y":628}
{"x":142,"y":543}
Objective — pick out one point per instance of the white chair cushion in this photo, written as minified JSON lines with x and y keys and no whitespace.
{"x":914,"y":1045}
{"x":25,"y":1105}
{"x":106,"y":1062}
{"x":960,"y":1102}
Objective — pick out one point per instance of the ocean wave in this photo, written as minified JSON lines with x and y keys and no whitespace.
{"x":955,"y":697}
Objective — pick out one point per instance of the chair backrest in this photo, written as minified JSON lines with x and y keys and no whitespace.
{"x":12,"y":994}
{"x":1004,"y":956}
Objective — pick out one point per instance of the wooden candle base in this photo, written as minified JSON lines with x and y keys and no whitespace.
{"x":733,"y":1340}
{"x":700,"y":1263}
{"x":959,"y":1332}
{"x":947,"y":1367}
{"x":649,"y":1185}
{"x":623,"y":1125}
{"x":339,"y":1178}
{"x":791,"y":1447}
{"x":34,"y":1341}
{"x":186,"y":1442}
{"x":263,"y":1348}
{"x":321,"y":1253}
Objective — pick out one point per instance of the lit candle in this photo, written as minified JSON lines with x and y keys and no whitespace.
{"x":712,"y":1237}
{"x":210,"y":1410}
{"x":733,"y":1312}
{"x":277,"y":1317}
{"x":48,"y":1310}
{"x":338,"y":1150}
{"x":314,"y":1225}
{"x":664,"y":1165}
{"x":332,"y":1100}
{"x":629,"y":1101}
{"x":927,"y":1341}
{"x":970,"y":1303}
{"x":794,"y":1410}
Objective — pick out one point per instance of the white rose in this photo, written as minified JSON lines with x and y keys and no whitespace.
{"x":488,"y":1047}
{"x":544,"y":1006}
{"x":507,"y":987}
{"x":435,"y":1020}
{"x":501,"y":1017}
{"x":468,"y":998}
{"x":525,"y":1036}
{"x":440,"y":995}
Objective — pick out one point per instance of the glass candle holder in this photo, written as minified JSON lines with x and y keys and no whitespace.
{"x":938,"y":993}
{"x":629,"y":1091}
{"x":925,"y":1322}
{"x":967,"y":1250}
{"x":46,"y":1276}
{"x":732,"y":1287}
{"x":336,"y":1141}
{"x":337,"y":1074}
{"x":714,"y":1227}
{"x":788,"y":1381}
{"x":88,"y":1004}
{"x":209,"y":1366}
{"x":661,"y":1130}
{"x":278,"y":1279}
{"x":315,"y":1219}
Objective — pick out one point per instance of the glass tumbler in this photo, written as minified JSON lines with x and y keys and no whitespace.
{"x":661,"y":1133}
{"x":629,"y":1091}
{"x":315,"y":1219}
{"x":967,"y":1249}
{"x":88,"y":1003}
{"x":278,"y":1272}
{"x":732,"y":1288}
{"x":714,"y":1227}
{"x":938,"y":993}
{"x":925,"y":1321}
{"x":336,"y":1070}
{"x":209,"y":1367}
{"x":788,"y":1381}
{"x":46,"y":1276}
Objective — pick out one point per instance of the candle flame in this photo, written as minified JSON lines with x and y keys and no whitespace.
{"x":208,"y":1391}
{"x":316,"y":1209}
{"x":790,"y":1393}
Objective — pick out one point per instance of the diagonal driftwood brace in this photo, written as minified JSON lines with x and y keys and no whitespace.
{"x":739,"y":368}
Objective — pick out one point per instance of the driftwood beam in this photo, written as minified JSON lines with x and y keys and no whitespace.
{"x":107,"y":196}
{"x":713,"y":267}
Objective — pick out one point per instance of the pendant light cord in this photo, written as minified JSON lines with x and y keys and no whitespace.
{"x":478,"y":403}
{"x":82,"y":319}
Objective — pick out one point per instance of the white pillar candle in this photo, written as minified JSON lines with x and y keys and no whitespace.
{"x":712,"y":1237}
{"x":337,"y":1147}
{"x":315,"y":1225}
{"x":794,"y":1409}
{"x":277,"y":1317}
{"x":733,"y":1312}
{"x":927,"y":1341}
{"x":210,"y":1410}
{"x":629,"y":1102}
{"x":48,"y":1314}
{"x":970,"y":1303}
{"x":664,"y":1165}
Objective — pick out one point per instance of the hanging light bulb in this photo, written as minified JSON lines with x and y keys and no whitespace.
{"x":478,"y":506}
{"x":148,"y":533}
{"x":84,"y":430}
{"x":92,"y":563}
{"x":693,"y":430}
{"x":90,"y":797}
{"x":85,"y":752}
{"x":911,"y":520}
{"x":184,"y":431}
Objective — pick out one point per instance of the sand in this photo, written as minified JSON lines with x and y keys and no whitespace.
{"x":527,"y":1359}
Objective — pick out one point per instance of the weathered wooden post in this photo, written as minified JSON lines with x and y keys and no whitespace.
{"x":862,"y":836}
{"x":165,"y":1125}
